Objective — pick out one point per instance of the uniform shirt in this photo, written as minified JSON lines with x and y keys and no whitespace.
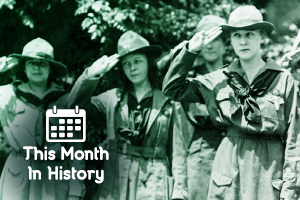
{"x":197,"y":112}
{"x":220,"y":99}
{"x":20,"y":118}
{"x":277,"y":106}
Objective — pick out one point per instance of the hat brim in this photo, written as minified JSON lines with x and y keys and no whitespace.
{"x":268,"y":27}
{"x":153,"y":50}
{"x":59,"y":69}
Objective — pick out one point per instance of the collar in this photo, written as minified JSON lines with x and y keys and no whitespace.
{"x":148,"y":94}
{"x":24,"y":87}
{"x":270,"y":64}
{"x":200,"y":69}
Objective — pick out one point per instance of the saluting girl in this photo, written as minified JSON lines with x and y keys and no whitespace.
{"x":255,"y":101}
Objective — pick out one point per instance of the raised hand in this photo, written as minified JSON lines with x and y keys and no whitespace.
{"x":202,"y":38}
{"x":103,"y":65}
{"x":7,"y":63}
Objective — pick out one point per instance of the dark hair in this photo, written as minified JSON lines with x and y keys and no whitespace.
{"x":125,"y":84}
{"x":19,"y":72}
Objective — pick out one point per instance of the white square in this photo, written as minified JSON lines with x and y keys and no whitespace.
{"x":77,"y":128}
{"x":77,"y":121}
{"x":61,"y":134}
{"x":61,"y":128}
{"x":69,"y":134}
{"x":53,"y":128}
{"x":70,"y":128}
{"x":54,"y":135}
{"x":70,"y":121}
{"x":62,"y":121}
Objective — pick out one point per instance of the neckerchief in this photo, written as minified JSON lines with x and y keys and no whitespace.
{"x":139,"y":113}
{"x":42,"y":105}
{"x":246,"y":94}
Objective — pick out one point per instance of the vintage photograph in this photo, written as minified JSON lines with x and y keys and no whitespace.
{"x":149,"y":100}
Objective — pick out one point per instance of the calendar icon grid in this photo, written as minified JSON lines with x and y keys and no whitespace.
{"x":66,"y":130}
{"x":70,"y":126}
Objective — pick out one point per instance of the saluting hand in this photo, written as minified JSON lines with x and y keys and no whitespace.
{"x":103,"y":65}
{"x":202,"y":38}
{"x":7,"y":63}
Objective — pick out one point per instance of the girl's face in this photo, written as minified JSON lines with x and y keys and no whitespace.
{"x":37,"y":70}
{"x":246,"y":43}
{"x":213,"y":51}
{"x":135,"y":67}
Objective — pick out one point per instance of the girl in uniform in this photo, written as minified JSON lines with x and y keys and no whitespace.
{"x":255,"y":101}
{"x":139,"y":127}
{"x":22,"y":115}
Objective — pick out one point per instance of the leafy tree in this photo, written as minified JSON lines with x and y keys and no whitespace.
{"x":161,"y":22}
{"x":83,"y":30}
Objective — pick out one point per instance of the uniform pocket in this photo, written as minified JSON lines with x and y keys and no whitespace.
{"x":274,"y":107}
{"x":222,"y":96}
{"x":17,"y":169}
{"x":277,"y":184}
{"x":221,"y":183}
{"x":224,"y":103}
{"x":227,"y":102}
{"x":16,"y":113}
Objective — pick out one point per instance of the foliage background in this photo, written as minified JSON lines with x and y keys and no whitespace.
{"x":83,"y":30}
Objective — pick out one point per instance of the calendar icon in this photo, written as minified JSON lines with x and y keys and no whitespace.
{"x":71,"y":122}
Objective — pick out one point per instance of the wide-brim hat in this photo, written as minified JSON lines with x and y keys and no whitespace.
{"x":41,"y":49}
{"x":247,"y":18}
{"x":131,"y":42}
{"x":208,"y":22}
